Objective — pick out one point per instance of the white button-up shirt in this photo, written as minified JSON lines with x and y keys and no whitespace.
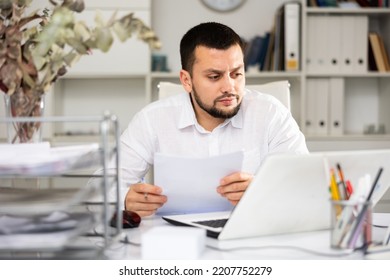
{"x":261,"y":127}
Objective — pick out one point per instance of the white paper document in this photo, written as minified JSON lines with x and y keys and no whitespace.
{"x":191,"y":183}
{"x":41,"y":159}
{"x":51,"y":232}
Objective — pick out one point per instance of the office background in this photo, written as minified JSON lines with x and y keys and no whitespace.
{"x":122,"y":81}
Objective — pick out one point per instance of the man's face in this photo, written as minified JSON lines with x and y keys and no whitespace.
{"x":218,"y":81}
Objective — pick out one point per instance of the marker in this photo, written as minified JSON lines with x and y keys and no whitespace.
{"x":341,"y":175}
{"x":349,"y":188}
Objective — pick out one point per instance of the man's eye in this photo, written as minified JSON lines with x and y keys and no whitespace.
{"x":215,"y":77}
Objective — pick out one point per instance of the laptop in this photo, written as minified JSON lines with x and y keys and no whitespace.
{"x":288,"y":194}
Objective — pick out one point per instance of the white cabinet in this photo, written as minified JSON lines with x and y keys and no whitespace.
{"x":363,"y":94}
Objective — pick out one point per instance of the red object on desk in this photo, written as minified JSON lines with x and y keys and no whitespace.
{"x":349,"y":188}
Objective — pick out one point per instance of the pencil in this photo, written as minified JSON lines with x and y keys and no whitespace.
{"x":333,"y":186}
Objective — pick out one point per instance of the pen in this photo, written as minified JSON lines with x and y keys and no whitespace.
{"x":333,"y":186}
{"x":341,"y":175}
{"x":359,"y":220}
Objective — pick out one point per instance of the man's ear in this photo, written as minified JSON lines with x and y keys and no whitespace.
{"x":185,"y":79}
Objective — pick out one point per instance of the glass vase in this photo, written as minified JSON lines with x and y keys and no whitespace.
{"x":20,"y":106}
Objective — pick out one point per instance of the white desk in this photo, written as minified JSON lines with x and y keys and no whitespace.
{"x":300,"y":246}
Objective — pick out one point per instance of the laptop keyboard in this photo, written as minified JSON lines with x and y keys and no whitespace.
{"x":213,"y":223}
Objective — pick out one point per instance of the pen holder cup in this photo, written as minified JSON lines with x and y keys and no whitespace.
{"x":351,"y":224}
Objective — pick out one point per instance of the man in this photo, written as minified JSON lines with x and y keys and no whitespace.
{"x":217,"y":116}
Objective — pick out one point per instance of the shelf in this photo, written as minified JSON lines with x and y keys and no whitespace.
{"x":346,"y":137}
{"x":350,"y":75}
{"x":361,"y":11}
{"x":111,"y":75}
{"x":164,"y":75}
{"x":274,"y":74}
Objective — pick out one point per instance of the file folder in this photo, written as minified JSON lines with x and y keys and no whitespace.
{"x":291,"y":36}
{"x":360,"y":49}
{"x":310,"y":45}
{"x":348,"y":44}
{"x":317,"y":41}
{"x":334,"y":40}
{"x":310,"y":107}
{"x":317,"y":106}
{"x":321,"y":106}
{"x":336,"y":106}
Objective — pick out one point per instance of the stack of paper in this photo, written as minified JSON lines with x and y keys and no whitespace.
{"x":29,"y":201}
{"x":41,"y":159}
{"x":51,"y":231}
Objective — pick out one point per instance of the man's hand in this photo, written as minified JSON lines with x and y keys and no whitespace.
{"x":234,"y":185}
{"x":144,"y":199}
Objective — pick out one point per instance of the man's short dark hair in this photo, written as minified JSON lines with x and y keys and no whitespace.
{"x":209,"y":34}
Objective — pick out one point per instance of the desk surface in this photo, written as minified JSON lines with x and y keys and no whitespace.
{"x":299,"y":246}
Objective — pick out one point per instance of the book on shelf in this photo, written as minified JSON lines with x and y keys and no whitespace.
{"x":255,"y":52}
{"x":384,"y":53}
{"x":312,"y":3}
{"x":331,"y":3}
{"x":268,"y":55}
{"x":348,"y":3}
{"x":263,"y":51}
{"x":379,"y":57}
{"x":323,"y":3}
{"x":278,"y":50}
{"x":363,"y":3}
{"x":374,"y":3}
{"x":252,"y":51}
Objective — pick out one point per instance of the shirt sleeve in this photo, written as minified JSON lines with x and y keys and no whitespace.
{"x":285,"y":135}
{"x":136,"y":150}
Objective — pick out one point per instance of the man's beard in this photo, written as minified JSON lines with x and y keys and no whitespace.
{"x":213,"y":110}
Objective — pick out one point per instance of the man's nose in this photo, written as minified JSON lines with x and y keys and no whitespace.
{"x":227,"y":84}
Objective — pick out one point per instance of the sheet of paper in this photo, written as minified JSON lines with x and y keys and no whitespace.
{"x":42,"y":233}
{"x":190,"y":183}
{"x":41,"y":159}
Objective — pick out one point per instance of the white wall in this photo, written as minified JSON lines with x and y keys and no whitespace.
{"x":172,"y":18}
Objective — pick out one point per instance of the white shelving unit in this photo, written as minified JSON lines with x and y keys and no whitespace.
{"x":365,"y":93}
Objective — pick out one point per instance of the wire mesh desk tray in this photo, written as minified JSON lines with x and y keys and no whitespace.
{"x":56,"y":199}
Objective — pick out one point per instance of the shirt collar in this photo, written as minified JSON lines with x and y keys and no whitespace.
{"x":188,"y":116}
